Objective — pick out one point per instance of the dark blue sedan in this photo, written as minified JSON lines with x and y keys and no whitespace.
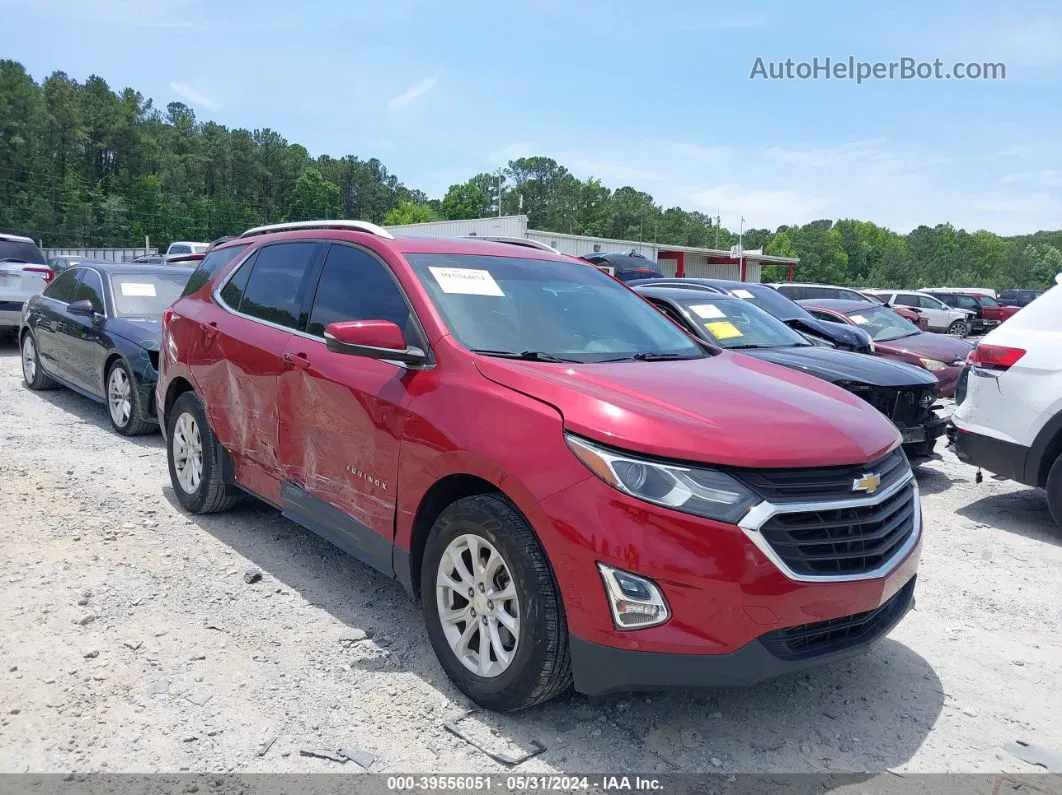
{"x":96,"y":330}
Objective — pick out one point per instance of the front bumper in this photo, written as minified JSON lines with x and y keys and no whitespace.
{"x":603,"y":669}
{"x":725,"y":587}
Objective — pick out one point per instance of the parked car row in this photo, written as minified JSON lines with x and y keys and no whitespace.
{"x":576,"y":488}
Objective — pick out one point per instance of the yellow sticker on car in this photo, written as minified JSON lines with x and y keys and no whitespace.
{"x":723,"y":330}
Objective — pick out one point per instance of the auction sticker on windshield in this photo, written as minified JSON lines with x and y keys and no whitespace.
{"x":859,"y":319}
{"x":708,"y":311}
{"x":139,"y":290}
{"x":723,"y":330}
{"x":742,"y":293}
{"x":466,"y":281}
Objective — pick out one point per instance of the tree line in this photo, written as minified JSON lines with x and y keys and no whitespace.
{"x":82,"y":164}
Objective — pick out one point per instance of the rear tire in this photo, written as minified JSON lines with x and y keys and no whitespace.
{"x":960,"y":328}
{"x":32,"y":372}
{"x":123,"y":402}
{"x":1054,"y":491}
{"x":192,"y":453}
{"x":535,"y":661}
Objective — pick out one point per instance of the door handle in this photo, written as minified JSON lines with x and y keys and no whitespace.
{"x":210,"y":330}
{"x":296,"y":361}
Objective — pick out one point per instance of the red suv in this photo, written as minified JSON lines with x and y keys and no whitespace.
{"x":572,"y":486}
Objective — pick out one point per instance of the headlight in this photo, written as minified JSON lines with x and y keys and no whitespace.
{"x":702,"y":492}
{"x":933,"y":364}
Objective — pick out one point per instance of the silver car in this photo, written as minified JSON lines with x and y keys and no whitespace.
{"x":23,"y":274}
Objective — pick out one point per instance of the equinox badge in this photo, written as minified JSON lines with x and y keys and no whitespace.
{"x":868,"y":483}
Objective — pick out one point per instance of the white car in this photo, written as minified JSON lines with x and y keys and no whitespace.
{"x":181,"y":247}
{"x":23,"y":274}
{"x":1009,"y":416}
{"x":939,"y":315}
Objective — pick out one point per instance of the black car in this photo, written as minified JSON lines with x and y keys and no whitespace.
{"x":1018,"y":297}
{"x":839,"y":335}
{"x":65,"y":262}
{"x":903,"y":393}
{"x":96,"y":330}
{"x":625,"y":267}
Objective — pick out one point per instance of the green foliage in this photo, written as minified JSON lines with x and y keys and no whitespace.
{"x":409,"y":212}
{"x":84,"y":165}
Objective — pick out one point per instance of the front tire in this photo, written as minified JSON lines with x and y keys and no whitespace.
{"x":32,"y":372}
{"x":123,"y":402}
{"x":960,"y":328}
{"x":1054,"y":491}
{"x":493,"y":609}
{"x":192,"y":453}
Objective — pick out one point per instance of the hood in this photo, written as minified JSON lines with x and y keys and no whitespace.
{"x":145,"y":332}
{"x":931,"y":346}
{"x":836,"y":366}
{"x":726,"y":409}
{"x":841,"y":333}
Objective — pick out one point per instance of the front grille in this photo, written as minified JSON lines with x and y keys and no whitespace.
{"x":843,"y":541}
{"x":903,"y":406}
{"x":837,"y":634}
{"x":826,"y":483}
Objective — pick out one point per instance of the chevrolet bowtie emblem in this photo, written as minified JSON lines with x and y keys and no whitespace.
{"x":868,"y":483}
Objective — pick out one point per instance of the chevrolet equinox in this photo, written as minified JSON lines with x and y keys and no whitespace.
{"x":575,"y":489}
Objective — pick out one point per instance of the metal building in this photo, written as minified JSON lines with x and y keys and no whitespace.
{"x":672,"y":260}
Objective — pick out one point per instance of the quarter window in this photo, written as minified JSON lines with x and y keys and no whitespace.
{"x":62,"y":289}
{"x":274,"y":290}
{"x":354,"y":285}
{"x":90,"y":288}
{"x":211,"y":264}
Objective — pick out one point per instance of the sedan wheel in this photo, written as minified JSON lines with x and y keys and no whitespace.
{"x":478,"y":606}
{"x":120,"y":397}
{"x":188,"y":453}
{"x":32,"y":371}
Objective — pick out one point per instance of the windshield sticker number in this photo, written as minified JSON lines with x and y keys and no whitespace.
{"x":862,"y":321}
{"x":138,"y":290}
{"x":466,"y":281}
{"x":708,"y":311}
{"x":742,"y":293}
{"x":723,"y":330}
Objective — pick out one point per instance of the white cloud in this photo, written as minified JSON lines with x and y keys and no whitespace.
{"x":419,"y":90}
{"x":1047,"y":178}
{"x":514,"y":151}
{"x":615,"y":171}
{"x":194,"y":96}
{"x":761,"y":207}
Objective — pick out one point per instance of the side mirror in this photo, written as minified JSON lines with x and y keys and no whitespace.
{"x":82,"y":307}
{"x":373,"y":339}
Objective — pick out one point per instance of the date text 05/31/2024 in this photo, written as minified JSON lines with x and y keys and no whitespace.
{"x":544,"y":783}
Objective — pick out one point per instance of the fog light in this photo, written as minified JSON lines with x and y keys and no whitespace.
{"x":636,"y":602}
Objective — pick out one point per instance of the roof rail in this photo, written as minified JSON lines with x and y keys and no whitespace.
{"x":353,"y":226}
{"x":19,"y":238}
{"x":516,"y":241}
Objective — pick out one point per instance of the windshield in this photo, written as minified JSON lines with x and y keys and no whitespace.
{"x":739,"y":324}
{"x":20,"y":252}
{"x":521,"y":307}
{"x":883,"y":324}
{"x":146,"y":294}
{"x":772,"y":302}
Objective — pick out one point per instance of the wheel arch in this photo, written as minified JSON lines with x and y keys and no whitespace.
{"x":1045,"y":450}
{"x":177,"y":387}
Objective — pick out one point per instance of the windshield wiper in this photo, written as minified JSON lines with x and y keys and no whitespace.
{"x":752,"y":345}
{"x":646,"y":356}
{"x":529,"y":356}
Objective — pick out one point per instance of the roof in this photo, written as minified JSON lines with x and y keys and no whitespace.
{"x":841,"y":305}
{"x":414,"y":244}
{"x":679,"y":294}
{"x":133,"y":268}
{"x":19,"y":238}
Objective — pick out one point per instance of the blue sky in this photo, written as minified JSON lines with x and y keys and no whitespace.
{"x":656,"y":95}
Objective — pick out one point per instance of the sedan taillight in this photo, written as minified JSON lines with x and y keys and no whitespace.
{"x":47,"y":273}
{"x":995,"y":357}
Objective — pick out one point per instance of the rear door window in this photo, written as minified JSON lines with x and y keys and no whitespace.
{"x":62,"y":289}
{"x":274,"y":289}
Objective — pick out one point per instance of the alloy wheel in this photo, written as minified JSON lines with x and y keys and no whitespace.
{"x":478,"y":606}
{"x":29,"y":359}
{"x":187,"y":449}
{"x":120,"y":397}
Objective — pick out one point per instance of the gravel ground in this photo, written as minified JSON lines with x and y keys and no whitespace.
{"x":131,"y":641}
